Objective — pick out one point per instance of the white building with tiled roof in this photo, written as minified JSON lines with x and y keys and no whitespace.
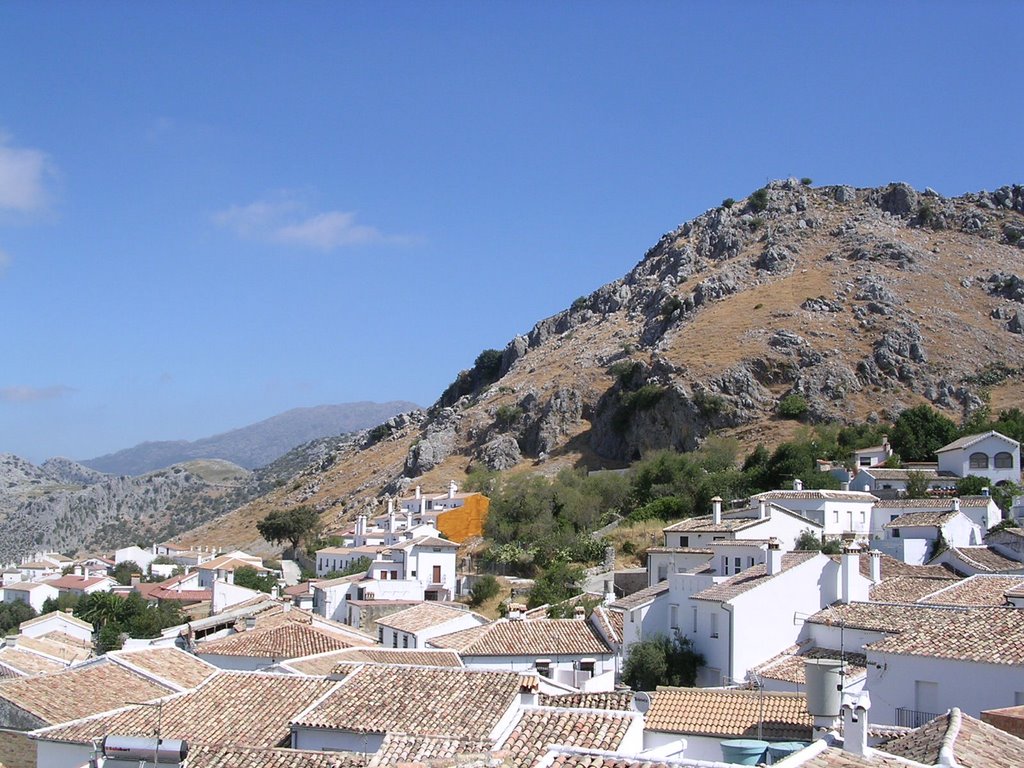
{"x":837,"y":512}
{"x":33,"y":593}
{"x":765,"y":519}
{"x":568,"y":651}
{"x":415,"y":626}
{"x":991,"y":455}
{"x":981,"y":510}
{"x":912,"y":537}
{"x":981,"y":559}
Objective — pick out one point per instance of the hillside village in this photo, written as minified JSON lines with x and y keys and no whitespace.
{"x":805,"y":658}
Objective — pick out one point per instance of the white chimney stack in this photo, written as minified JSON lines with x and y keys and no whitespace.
{"x":845,"y":485}
{"x":391,"y":516}
{"x":773,"y":563}
{"x":417,"y":491}
{"x":609,"y":591}
{"x":956,"y":505}
{"x":798,"y":484}
{"x":762,"y":509}
{"x":867,"y":488}
{"x":452,"y":489}
{"x":716,"y":510}
{"x":855,"y":722}
{"x":849,"y":570}
{"x":876,"y":565}
{"x":360,"y":537}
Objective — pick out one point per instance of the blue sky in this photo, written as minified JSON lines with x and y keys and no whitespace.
{"x":213,"y":212}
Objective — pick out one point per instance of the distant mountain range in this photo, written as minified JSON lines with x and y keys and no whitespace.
{"x":255,"y":445}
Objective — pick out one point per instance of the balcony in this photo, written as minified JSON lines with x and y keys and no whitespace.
{"x":912,"y":718}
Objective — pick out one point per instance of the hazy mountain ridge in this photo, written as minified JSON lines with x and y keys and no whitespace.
{"x":255,"y":445}
{"x":859,"y":302}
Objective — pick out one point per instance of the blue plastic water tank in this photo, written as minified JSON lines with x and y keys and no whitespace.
{"x":780,"y":749}
{"x":744,"y":751}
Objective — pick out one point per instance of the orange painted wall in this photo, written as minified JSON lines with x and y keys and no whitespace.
{"x":466,"y":521}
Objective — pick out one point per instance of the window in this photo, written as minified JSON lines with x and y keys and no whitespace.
{"x":714,"y":625}
{"x":865,"y":461}
{"x":662,"y":571}
{"x":1003,"y":460}
{"x":695,"y":621}
{"x":835,"y":516}
{"x":405,"y":641}
{"x":684,"y":541}
{"x":380,"y":635}
{"x":725,"y":565}
{"x":394,"y":640}
{"x":737,"y":563}
{"x":750,"y":562}
{"x":673,"y":614}
{"x":926,"y":696}
{"x":978,"y":461}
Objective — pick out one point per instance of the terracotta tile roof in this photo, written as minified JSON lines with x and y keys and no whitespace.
{"x":729,"y":713}
{"x":751,"y":577}
{"x":24,"y":663}
{"x":403,"y":749}
{"x":84,"y":691}
{"x":49,"y":645}
{"x":907,"y":589}
{"x":891,"y":567}
{"x":77,"y":582}
{"x":170,"y":665}
{"x":229,"y":708}
{"x":981,"y":589}
{"x":834,"y":757}
{"x":975,"y":744}
{"x":934,"y":504}
{"x":541,"y":611}
{"x":968,"y":440}
{"x":609,"y":623}
{"x":568,"y":757}
{"x":203,"y":756}
{"x":328,"y":663}
{"x":682,"y":550}
{"x":645,"y":595}
{"x":808,"y":495}
{"x":537,"y":637}
{"x":921,"y":519}
{"x":27,"y":586}
{"x":789,"y":666}
{"x":617,"y":700}
{"x":706,"y":524}
{"x":985,"y":559}
{"x":287,"y":641}
{"x":883,"y":617}
{"x":423,"y":616}
{"x":540,"y":728}
{"x":458,"y":703}
{"x":990,"y":635}
{"x":228,"y":563}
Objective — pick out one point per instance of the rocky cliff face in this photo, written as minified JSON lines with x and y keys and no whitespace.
{"x":858,"y":302}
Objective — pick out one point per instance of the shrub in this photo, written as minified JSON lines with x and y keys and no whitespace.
{"x":578,"y":304}
{"x":759,"y":200}
{"x":709,"y":404}
{"x":792,"y":406}
{"x":806,"y":181}
{"x":728,"y":202}
{"x":624,"y":370}
{"x":756,"y":223}
{"x":672,"y":303}
{"x":485,"y":588}
{"x":507,"y":415}
{"x":661,"y":661}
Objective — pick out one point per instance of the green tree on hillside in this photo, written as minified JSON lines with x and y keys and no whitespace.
{"x":290,"y":525}
{"x":920,"y":431}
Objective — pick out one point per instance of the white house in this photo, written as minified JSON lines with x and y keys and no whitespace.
{"x":765,"y":519}
{"x":34,"y":593}
{"x":837,"y":512}
{"x":892,"y":483}
{"x":982,"y":511}
{"x":913,"y":537}
{"x":990,"y":455}
{"x":82,"y":585}
{"x":417,"y":569}
{"x":873,"y":455}
{"x":336,"y":559}
{"x":141,"y":557}
{"x":223,"y":568}
{"x":57,"y":621}
{"x":413,"y":627}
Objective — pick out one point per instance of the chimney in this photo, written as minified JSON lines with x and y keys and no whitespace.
{"x":391,"y":515}
{"x":417,"y":491}
{"x":762,"y":509}
{"x":867,"y":488}
{"x":985,"y":491}
{"x":408,"y":518}
{"x":773,"y":563}
{"x":79,"y":571}
{"x":529,"y":690}
{"x":885,"y":440}
{"x":136,"y":580}
{"x":579,"y":612}
{"x":11,"y":641}
{"x":609,"y":591}
{"x":250,"y":622}
{"x":855,"y":722}
{"x":423,"y":505}
{"x":716,"y":510}
{"x":360,"y":537}
{"x":798,"y":484}
{"x":515,"y":612}
{"x":452,"y":489}
{"x":956,"y":505}
{"x":849,"y":569}
{"x":876,"y":565}
{"x":845,"y":485}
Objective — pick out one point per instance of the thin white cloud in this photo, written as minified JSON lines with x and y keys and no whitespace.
{"x":24,"y":394}
{"x":24,"y":174}
{"x":289,"y":222}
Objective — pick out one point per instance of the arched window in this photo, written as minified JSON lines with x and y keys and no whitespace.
{"x":1003,"y":460}
{"x":979,"y":461}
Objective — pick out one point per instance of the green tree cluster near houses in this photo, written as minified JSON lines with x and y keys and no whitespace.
{"x":114,"y":617}
{"x":542,"y":527}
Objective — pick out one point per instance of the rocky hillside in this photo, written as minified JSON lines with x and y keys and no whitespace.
{"x":67,"y":507}
{"x":857,"y":302}
{"x":255,"y":445}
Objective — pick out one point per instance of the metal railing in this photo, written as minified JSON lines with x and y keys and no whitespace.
{"x":912,"y":718}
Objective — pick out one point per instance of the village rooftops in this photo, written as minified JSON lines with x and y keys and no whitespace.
{"x":887,"y":473}
{"x":213,"y":756}
{"x":433,"y":701}
{"x":981,"y":589}
{"x":891,"y":567}
{"x":423,"y":616}
{"x":609,"y":623}
{"x":19,"y":662}
{"x":729,"y":714}
{"x":616,"y":700}
{"x":79,"y":691}
{"x":789,"y":666}
{"x":78,"y":582}
{"x":990,"y":635}
{"x":984,"y":559}
{"x":934,"y":504}
{"x":884,"y":617}
{"x":921,"y":519}
{"x":811,"y":495}
{"x":908,"y":589}
{"x":229,"y":563}
{"x":63,"y":615}
{"x":170,"y":666}
{"x":287,"y":641}
{"x":535,"y":637}
{"x":329,"y":663}
{"x":961,"y":740}
{"x":540,"y":728}
{"x":57,"y":645}
{"x":251,"y":709}
{"x":401,"y":749}
{"x":642,"y":597}
{"x":751,"y":578}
